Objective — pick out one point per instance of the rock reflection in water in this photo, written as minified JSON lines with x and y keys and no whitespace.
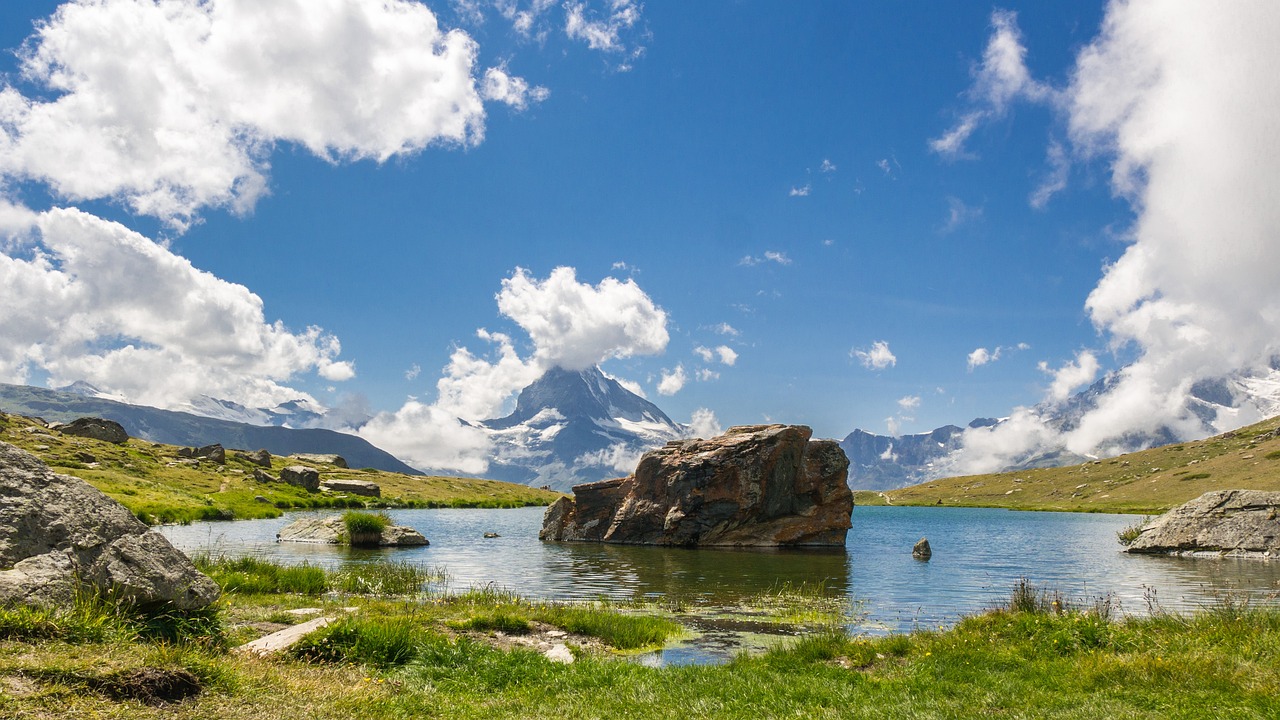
{"x":700,"y":577}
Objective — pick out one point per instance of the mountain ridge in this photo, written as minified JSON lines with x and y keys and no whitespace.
{"x":173,"y":427}
{"x":575,"y":426}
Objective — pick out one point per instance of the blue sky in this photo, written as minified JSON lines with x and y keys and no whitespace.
{"x":770,"y":167}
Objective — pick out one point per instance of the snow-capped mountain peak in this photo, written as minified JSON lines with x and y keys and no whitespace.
{"x":575,"y":426}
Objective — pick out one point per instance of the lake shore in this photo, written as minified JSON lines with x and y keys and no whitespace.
{"x":400,"y":656}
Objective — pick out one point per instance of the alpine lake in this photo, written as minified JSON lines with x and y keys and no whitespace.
{"x":979,"y":555}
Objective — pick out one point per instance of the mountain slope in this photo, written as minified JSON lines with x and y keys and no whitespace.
{"x":571,"y":427}
{"x":1148,"y":481}
{"x":180,"y":428}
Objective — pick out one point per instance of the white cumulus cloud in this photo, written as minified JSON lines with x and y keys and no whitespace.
{"x":574,"y":325}
{"x":704,"y":424}
{"x":1000,"y":79}
{"x":981,"y":356}
{"x":727,"y":355}
{"x":571,"y":324}
{"x":1181,"y":107}
{"x":672,"y":381}
{"x":877,"y":357}
{"x":173,"y":106}
{"x":88,"y":299}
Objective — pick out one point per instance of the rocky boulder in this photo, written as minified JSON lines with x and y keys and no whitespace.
{"x":96,"y":429}
{"x":335,"y":460}
{"x":754,"y":486}
{"x":1241,"y":523}
{"x":302,"y":476}
{"x":332,"y":530}
{"x":59,"y":535}
{"x":213,"y":453}
{"x":363,"y":488}
{"x":261,"y":457}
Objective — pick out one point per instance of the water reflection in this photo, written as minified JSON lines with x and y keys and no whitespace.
{"x":978,"y":555}
{"x":706,"y":576}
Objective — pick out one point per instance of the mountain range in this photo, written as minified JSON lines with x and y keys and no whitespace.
{"x":184,"y":428}
{"x":575,"y":426}
{"x":881,"y":462}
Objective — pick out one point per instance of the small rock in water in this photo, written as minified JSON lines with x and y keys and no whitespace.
{"x":922,"y":551}
{"x":492,"y":535}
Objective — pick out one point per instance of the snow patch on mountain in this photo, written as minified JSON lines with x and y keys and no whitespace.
{"x":571,"y":427}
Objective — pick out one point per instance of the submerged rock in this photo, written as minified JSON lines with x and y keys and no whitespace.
{"x":60,"y":535}
{"x":332,"y":530}
{"x":1239,"y":523}
{"x":754,"y":486}
{"x":921,"y":550}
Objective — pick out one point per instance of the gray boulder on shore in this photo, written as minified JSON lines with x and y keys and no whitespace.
{"x":1235,"y":523}
{"x":302,"y":476}
{"x":59,"y":536}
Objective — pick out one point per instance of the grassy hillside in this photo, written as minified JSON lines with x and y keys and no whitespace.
{"x":160,"y":487}
{"x":1150,"y":481}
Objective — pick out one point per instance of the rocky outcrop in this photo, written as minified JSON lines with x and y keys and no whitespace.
{"x":1240,"y":523}
{"x":363,"y":488}
{"x":333,"y":531}
{"x":304,"y":477}
{"x":96,"y":429}
{"x":921,"y":550}
{"x":260,"y":457}
{"x":213,"y":453}
{"x":335,"y":460}
{"x":754,"y":486}
{"x":59,"y":535}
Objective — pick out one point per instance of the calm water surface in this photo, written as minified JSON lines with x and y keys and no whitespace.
{"x":978,"y":555}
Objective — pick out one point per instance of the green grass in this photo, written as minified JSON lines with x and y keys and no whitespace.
{"x":1038,"y":657}
{"x":92,"y":619}
{"x":161,"y":488}
{"x":364,"y":528}
{"x":381,"y":642}
{"x":250,"y":576}
{"x":1129,"y":533}
{"x":383,"y":578}
{"x":625,"y":632}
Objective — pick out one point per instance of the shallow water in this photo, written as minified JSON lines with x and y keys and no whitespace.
{"x":978,"y":556}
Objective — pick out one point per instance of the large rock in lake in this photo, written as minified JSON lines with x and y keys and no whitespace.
{"x":754,"y":486}
{"x":1239,"y":523}
{"x":332,"y":530}
{"x":58,"y":534}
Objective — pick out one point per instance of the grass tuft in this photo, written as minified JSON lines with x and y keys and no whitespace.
{"x":1131,"y":532}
